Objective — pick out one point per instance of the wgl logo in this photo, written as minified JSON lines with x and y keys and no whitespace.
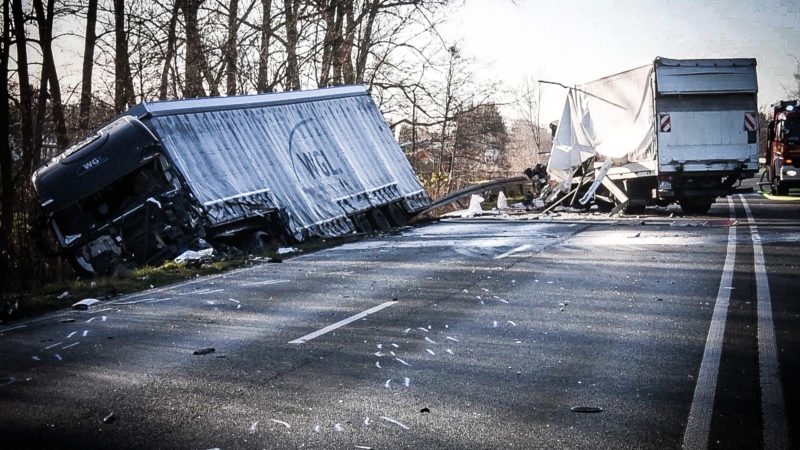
{"x":91,"y":164}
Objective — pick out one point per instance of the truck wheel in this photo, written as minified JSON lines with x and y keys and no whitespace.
{"x":696,"y":205}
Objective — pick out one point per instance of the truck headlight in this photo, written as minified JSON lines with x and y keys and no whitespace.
{"x":791,"y":173}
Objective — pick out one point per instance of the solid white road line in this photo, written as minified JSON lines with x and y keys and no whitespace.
{"x":341,"y":323}
{"x":773,"y":410}
{"x":699,"y":424}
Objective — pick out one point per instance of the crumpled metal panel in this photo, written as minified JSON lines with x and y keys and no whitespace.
{"x":316,"y":160}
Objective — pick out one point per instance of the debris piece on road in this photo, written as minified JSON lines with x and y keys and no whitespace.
{"x":474,"y":206}
{"x":253,"y":427}
{"x":5,"y":381}
{"x":363,"y":447}
{"x":85,"y":304}
{"x":389,"y":419}
{"x":378,"y":364}
{"x":286,"y":250}
{"x":587,"y":409}
{"x":280,"y":422}
{"x":194,"y":257}
{"x":63,"y":295}
{"x":205,"y":351}
{"x":111,"y":418}
{"x":388,"y":382}
{"x":403,"y":362}
{"x":502,"y":201}
{"x":425,"y":410}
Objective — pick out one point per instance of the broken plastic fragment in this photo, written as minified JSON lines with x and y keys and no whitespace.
{"x":286,"y":250}
{"x":85,"y":304}
{"x":205,"y":351}
{"x":403,"y":362}
{"x":253,"y":427}
{"x":111,"y":418}
{"x":424,"y":410}
{"x":63,"y":295}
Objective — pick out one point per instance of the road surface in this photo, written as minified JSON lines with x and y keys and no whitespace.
{"x":645,"y":333}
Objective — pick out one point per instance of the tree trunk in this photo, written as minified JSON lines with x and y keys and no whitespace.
{"x":292,"y":69}
{"x":366,"y":42}
{"x":328,"y":12}
{"x":49,"y":74}
{"x":262,"y":85}
{"x":231,"y":55}
{"x":25,"y":90}
{"x":88,"y":66}
{"x":8,"y":193}
{"x":194,"y":51}
{"x":171,"y":38}
{"x":346,"y":43}
{"x":123,"y":83}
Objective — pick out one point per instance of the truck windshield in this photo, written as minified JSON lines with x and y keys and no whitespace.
{"x":792,"y":128}
{"x":114,"y":199}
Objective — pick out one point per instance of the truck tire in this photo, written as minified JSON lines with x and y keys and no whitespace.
{"x":696,"y":205}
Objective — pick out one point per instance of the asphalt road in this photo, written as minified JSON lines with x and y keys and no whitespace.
{"x":636,"y":333}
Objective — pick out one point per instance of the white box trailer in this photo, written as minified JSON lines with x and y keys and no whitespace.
{"x":682,"y":131}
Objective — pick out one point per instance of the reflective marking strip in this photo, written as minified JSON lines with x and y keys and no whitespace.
{"x":341,"y":323}
{"x":773,"y":410}
{"x":699,"y":424}
{"x":664,"y":123}
{"x":750,"y":121}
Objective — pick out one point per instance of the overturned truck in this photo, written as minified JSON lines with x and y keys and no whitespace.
{"x":675,"y":131}
{"x":232,"y":171}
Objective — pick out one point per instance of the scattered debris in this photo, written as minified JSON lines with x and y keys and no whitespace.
{"x":389,"y":419}
{"x":205,"y":351}
{"x":253,"y":427}
{"x":280,"y":422}
{"x":425,"y":410}
{"x":85,"y":304}
{"x":403,"y":362}
{"x":5,"y":381}
{"x":587,"y":409}
{"x":363,"y":447}
{"x":286,"y":250}
{"x":109,"y":419}
{"x":63,"y":295}
{"x":195,"y":257}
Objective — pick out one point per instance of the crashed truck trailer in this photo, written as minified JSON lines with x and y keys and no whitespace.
{"x":231,"y":171}
{"x":682,"y":131}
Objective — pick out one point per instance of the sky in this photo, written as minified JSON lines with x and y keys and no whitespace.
{"x":576,"y":41}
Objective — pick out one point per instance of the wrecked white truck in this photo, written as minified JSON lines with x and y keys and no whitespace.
{"x":682,"y":131}
{"x":232,"y":171}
